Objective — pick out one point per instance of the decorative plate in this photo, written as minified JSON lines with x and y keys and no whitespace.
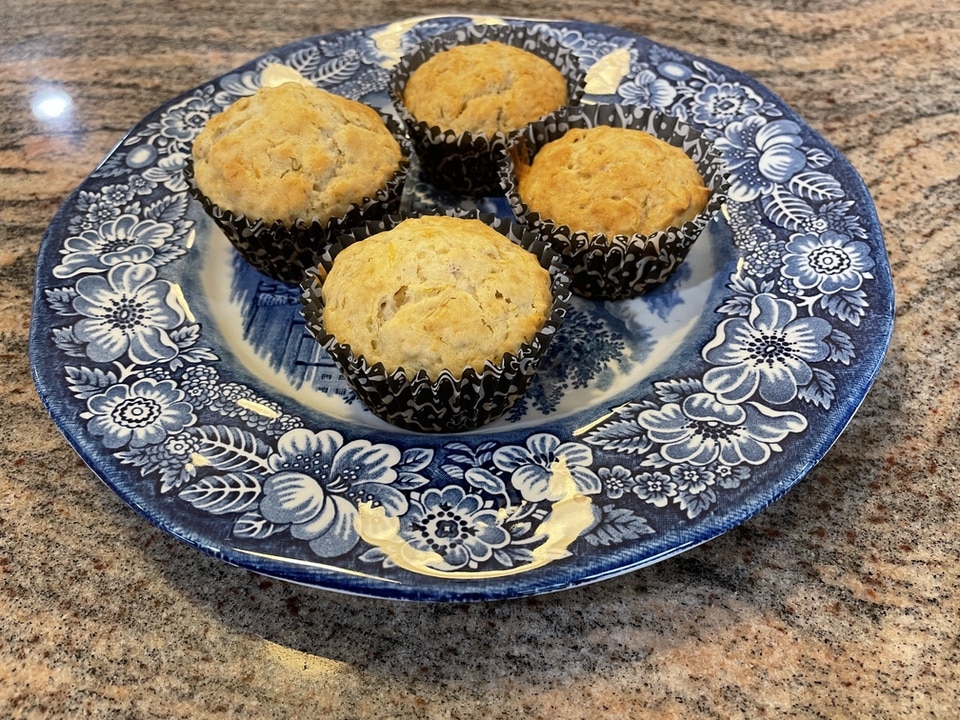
{"x":188,"y":383}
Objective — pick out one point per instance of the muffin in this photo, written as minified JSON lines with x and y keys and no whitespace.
{"x":621,"y":192}
{"x":464,"y":93}
{"x":284,"y":169}
{"x":436,"y":293}
{"x":438,"y":322}
{"x":484,"y":88}
{"x":612,"y":181}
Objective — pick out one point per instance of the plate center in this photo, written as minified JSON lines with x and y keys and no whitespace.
{"x":604,"y":349}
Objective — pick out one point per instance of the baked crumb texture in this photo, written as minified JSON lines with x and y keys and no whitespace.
{"x":613,"y":181}
{"x":465,"y":92}
{"x":436,"y":293}
{"x":622,"y":192}
{"x":294,"y":152}
{"x":285,"y":171}
{"x":484,"y":88}
{"x":438,"y":323}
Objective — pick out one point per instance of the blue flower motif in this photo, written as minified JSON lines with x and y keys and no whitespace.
{"x":589,"y":47}
{"x":125,"y":239}
{"x":171,"y":461}
{"x":719,"y":104}
{"x":656,"y":488}
{"x":541,"y":469}
{"x":128,"y":311}
{"x":695,"y":488}
{"x":358,"y":46}
{"x":760,"y":154}
{"x":317,"y":483}
{"x":769,"y":350}
{"x":761,"y":250}
{"x":616,"y":481}
{"x":201,"y":383}
{"x":836,"y":216}
{"x":140,"y":185}
{"x":236,"y":400}
{"x":729,"y":477}
{"x":141,"y":414}
{"x":701,"y":429}
{"x":174,"y":459}
{"x":692,"y":479}
{"x":760,"y":247}
{"x":456,"y":525}
{"x":184,"y":121}
{"x":92,"y":211}
{"x":645,"y":88}
{"x":830,"y":262}
{"x":118,"y":194}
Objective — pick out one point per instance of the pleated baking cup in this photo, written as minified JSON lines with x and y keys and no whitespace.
{"x":467,"y":163}
{"x":448,"y":403}
{"x":620,"y":266}
{"x":284,"y":252}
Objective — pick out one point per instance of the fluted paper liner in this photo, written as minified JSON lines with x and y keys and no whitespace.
{"x":285,"y":252}
{"x":621,"y":266}
{"x":468,"y":163}
{"x":414,"y":401}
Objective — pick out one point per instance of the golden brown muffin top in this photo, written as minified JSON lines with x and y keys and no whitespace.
{"x":435,"y":293}
{"x":615,"y":181}
{"x":292,"y":152}
{"x":484,"y":88}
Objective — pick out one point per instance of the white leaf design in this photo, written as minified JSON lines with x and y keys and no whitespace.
{"x":785,"y":209}
{"x":254,"y":526}
{"x":816,"y":186}
{"x":230,"y":448}
{"x":222,"y":494}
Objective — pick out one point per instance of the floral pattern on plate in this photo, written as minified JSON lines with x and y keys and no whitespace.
{"x":631,"y":446}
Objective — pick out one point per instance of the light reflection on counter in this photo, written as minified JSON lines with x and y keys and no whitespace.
{"x":53,"y":107}
{"x":301,"y":662}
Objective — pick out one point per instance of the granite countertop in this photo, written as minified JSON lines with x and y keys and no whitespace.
{"x":842,"y":599}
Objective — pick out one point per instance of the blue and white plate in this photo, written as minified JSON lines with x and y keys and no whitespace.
{"x":188,"y":382}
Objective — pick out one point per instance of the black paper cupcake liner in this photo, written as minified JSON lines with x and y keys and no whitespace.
{"x":448,"y":403}
{"x":467,"y":163}
{"x":617,"y":267}
{"x":284,"y":252}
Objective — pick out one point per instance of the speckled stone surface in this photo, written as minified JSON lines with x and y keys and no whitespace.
{"x":840,"y":600}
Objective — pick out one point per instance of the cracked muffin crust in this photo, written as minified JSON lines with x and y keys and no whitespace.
{"x":294,"y":152}
{"x":435,"y":293}
{"x":611,"y":180}
{"x":484,"y":88}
